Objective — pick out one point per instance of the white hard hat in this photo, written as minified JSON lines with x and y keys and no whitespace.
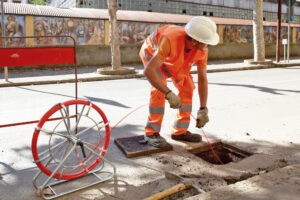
{"x":203,"y":30}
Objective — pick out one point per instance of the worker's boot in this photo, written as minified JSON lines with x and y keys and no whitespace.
{"x":155,"y":140}
{"x":187,"y":136}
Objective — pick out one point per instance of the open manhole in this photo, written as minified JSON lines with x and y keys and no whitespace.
{"x":225,"y":152}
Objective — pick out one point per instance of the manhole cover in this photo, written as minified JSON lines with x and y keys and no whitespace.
{"x":132,"y":148}
{"x":225,"y":152}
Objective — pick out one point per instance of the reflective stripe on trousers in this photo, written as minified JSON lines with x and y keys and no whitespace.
{"x":156,"y":109}
{"x":183,"y":115}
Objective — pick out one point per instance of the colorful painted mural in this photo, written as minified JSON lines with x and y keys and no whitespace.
{"x":84,"y":31}
{"x":14,"y":26}
{"x":270,"y":34}
{"x":284,"y":32}
{"x":237,"y":34}
{"x":244,"y":34}
{"x":136,"y":32}
{"x":96,"y":32}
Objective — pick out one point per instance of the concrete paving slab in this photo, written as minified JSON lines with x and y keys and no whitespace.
{"x":279,"y":184}
{"x":254,"y":110}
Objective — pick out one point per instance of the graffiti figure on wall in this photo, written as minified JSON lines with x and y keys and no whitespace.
{"x":14,"y":27}
{"x":247,"y":33}
{"x":46,"y":26}
{"x":96,"y":32}
{"x":58,"y":28}
{"x":270,"y":34}
{"x":81,"y":32}
{"x":39,"y":31}
{"x":70,"y":28}
{"x":284,"y":32}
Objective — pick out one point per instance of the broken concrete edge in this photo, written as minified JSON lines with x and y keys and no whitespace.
{"x":250,"y":180}
{"x":130,"y":76}
{"x":202,"y":146}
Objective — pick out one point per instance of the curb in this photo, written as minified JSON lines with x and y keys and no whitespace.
{"x":130,"y":76}
{"x":102,"y":78}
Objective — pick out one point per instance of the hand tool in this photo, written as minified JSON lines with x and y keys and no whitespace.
{"x":185,"y":183}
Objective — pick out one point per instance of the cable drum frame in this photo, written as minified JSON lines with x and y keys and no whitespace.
{"x":61,"y":55}
{"x":71,"y":137}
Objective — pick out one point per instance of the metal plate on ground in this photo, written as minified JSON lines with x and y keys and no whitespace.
{"x":131,"y":147}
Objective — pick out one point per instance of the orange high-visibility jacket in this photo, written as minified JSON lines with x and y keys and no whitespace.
{"x":175,"y":64}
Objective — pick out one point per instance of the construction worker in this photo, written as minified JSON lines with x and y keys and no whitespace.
{"x":170,"y":52}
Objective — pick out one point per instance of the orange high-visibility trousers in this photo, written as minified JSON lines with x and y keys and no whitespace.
{"x":157,"y":106}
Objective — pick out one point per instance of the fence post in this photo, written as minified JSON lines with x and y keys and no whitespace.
{"x":3,"y":35}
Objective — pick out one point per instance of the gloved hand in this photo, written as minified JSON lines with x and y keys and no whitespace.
{"x":174,"y":100}
{"x":202,"y":117}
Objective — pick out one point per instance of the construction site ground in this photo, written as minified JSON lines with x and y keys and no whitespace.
{"x":251,"y":109}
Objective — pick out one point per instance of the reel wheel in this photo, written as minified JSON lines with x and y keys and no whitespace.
{"x":70,"y":139}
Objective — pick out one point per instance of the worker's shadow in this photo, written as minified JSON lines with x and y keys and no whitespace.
{"x":259,"y":88}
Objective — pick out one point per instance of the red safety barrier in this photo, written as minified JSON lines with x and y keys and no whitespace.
{"x":18,"y":57}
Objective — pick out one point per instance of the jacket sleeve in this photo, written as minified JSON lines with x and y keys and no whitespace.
{"x":202,"y":59}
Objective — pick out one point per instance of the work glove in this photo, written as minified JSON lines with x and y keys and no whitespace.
{"x":174,"y":100}
{"x":202,"y":117}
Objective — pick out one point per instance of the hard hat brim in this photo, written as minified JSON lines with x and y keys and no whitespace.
{"x":214,"y":40}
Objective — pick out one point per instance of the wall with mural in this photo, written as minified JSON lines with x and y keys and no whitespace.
{"x":84,"y":31}
{"x":14,"y":27}
{"x":244,"y":34}
{"x":92,"y":31}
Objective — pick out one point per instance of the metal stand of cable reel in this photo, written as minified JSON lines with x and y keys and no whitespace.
{"x":64,"y":148}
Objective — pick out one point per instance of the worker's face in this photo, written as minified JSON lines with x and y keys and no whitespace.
{"x":199,"y":45}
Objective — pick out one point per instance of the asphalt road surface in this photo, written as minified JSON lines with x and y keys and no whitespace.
{"x":258,"y":107}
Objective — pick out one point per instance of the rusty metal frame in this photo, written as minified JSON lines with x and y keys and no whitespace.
{"x":49,"y":46}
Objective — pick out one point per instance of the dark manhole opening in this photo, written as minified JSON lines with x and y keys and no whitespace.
{"x":225,"y":152}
